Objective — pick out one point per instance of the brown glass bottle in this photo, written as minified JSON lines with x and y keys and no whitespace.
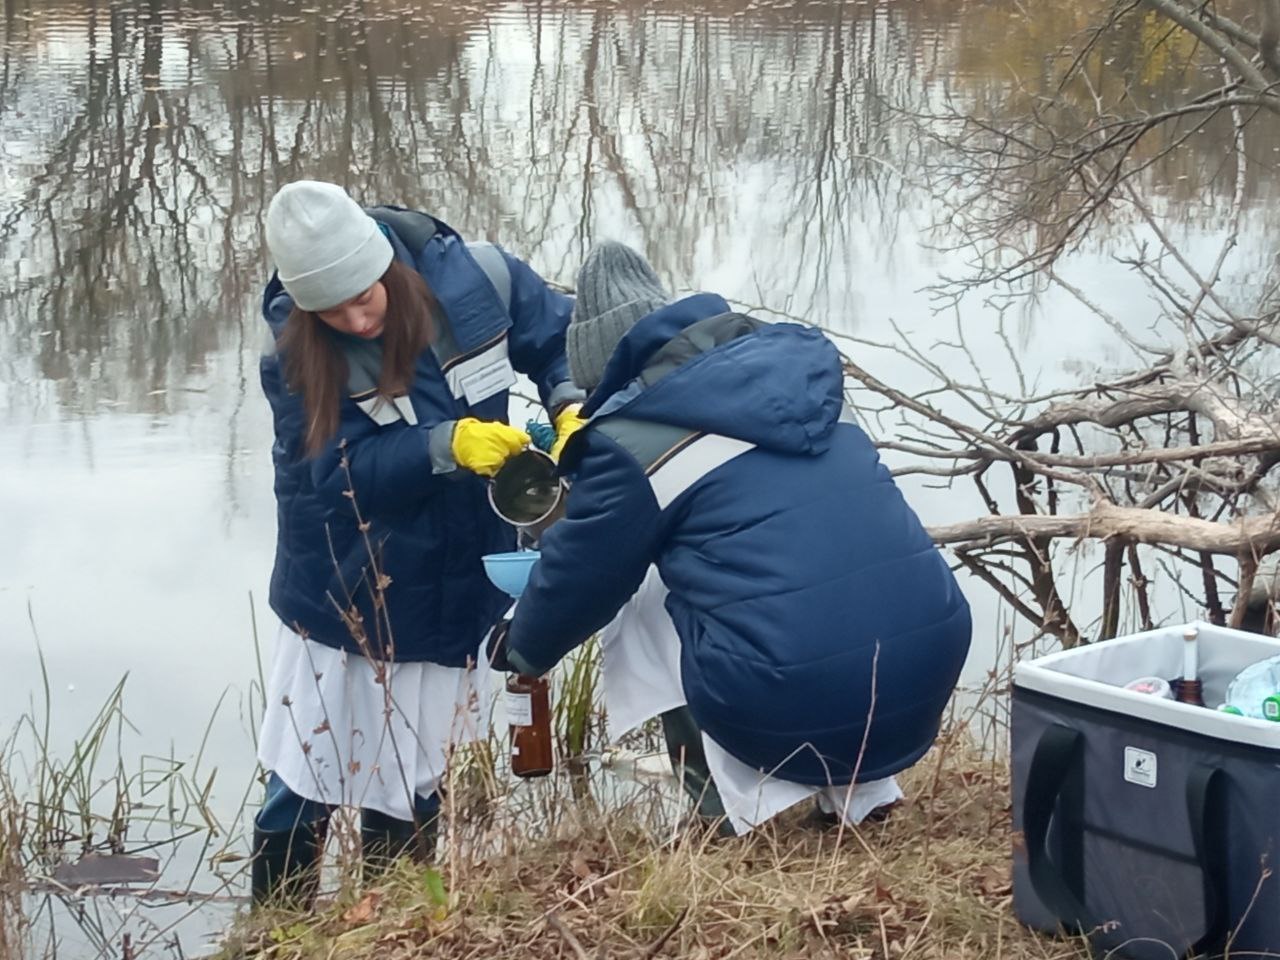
{"x":1188,"y":688}
{"x":1188,"y":691}
{"x":528,"y":704}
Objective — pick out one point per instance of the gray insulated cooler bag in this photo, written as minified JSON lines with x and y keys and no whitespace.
{"x":1148,"y":826}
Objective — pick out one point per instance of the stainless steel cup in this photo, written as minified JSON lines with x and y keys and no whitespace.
{"x":528,"y":493}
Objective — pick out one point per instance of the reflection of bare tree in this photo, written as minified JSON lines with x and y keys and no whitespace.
{"x":107,"y":225}
{"x":1128,"y":101}
{"x":6,"y":53}
{"x":137,"y":223}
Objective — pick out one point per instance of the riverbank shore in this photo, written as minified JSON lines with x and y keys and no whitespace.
{"x":931,"y":881}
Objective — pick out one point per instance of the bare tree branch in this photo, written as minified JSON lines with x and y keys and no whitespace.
{"x":1132,"y":524}
{"x":1216,"y":42}
{"x":1269,"y":39}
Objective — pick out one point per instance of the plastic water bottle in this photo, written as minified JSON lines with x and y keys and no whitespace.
{"x":1256,"y":690}
{"x":1271,"y":708}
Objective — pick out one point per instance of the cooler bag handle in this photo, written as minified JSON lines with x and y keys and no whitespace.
{"x":1206,"y":807}
{"x":1056,"y":757}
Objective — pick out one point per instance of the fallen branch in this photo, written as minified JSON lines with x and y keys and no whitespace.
{"x":1131,"y":458}
{"x":1229,"y":416}
{"x":1257,"y":535}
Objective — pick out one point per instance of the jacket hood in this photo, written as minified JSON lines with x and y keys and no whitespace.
{"x":695,"y":364}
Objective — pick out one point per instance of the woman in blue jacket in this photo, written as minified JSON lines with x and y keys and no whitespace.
{"x":817,"y":631}
{"x":393,"y":345}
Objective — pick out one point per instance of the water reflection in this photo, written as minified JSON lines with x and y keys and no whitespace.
{"x":143,"y":140}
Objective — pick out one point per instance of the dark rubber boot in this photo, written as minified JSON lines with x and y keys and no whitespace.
{"x":819,"y":819}
{"x":383,"y":839}
{"x":689,"y":761}
{"x":286,"y":867}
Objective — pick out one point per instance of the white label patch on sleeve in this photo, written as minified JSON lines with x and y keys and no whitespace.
{"x":484,"y":375}
{"x":488,"y":381}
{"x":1140,"y":767}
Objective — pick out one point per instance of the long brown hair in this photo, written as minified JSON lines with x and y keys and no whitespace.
{"x":315,"y":366}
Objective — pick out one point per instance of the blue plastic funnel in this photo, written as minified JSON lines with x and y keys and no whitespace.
{"x":509,"y":572}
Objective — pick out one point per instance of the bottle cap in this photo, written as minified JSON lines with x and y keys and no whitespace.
{"x":1271,"y":708}
{"x":1228,"y":708}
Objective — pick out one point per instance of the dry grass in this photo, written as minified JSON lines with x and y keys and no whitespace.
{"x":930,"y":882}
{"x":13,"y":923}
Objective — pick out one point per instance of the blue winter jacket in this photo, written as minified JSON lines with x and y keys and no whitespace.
{"x":427,"y":530}
{"x":806,"y":593}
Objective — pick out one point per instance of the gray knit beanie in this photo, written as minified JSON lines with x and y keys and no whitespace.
{"x":616,"y":287}
{"x":326,"y":248}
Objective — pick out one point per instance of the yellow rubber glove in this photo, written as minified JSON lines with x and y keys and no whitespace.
{"x":567,"y":424}
{"x":483,"y":446}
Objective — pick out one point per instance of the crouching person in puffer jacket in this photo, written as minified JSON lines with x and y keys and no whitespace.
{"x":767,"y":590}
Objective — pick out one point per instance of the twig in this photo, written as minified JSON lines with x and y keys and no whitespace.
{"x":558,"y":926}
{"x":653,"y":948}
{"x":979,"y":569}
{"x":961,"y":429}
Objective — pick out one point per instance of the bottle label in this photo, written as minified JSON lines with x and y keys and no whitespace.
{"x":519,"y":707}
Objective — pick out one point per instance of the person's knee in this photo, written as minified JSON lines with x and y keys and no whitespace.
{"x":426,"y":809}
{"x":283,"y":810}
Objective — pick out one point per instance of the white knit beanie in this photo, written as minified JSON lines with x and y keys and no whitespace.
{"x":326,"y":248}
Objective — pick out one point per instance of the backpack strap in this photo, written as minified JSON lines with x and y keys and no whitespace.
{"x":490,"y":259}
{"x":413,"y":228}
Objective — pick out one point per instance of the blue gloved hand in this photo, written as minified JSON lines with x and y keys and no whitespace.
{"x":543,"y":435}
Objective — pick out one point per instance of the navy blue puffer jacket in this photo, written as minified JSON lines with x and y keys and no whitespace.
{"x":427,"y":531}
{"x":807,"y":596}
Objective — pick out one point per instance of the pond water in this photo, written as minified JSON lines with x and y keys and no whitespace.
{"x":766,"y":149}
